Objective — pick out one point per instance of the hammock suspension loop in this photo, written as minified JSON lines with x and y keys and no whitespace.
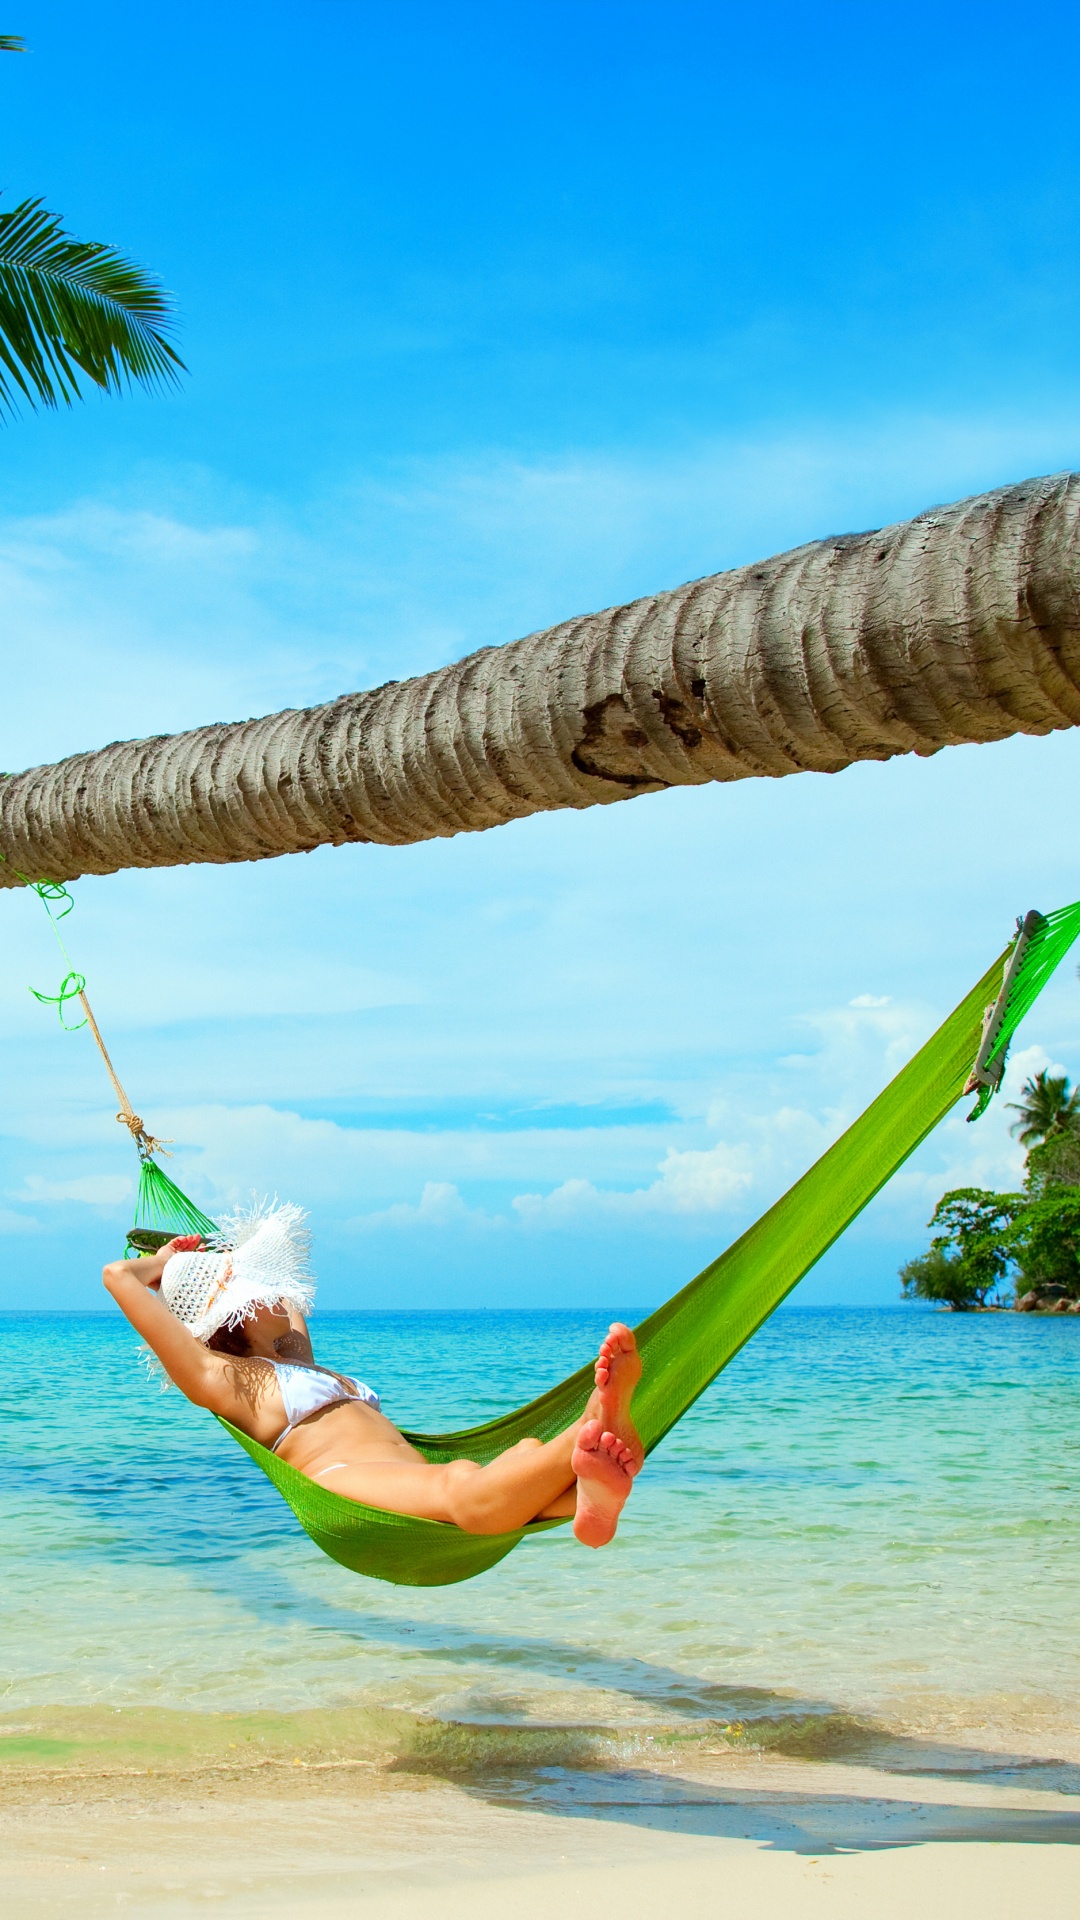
{"x":988,"y":1069}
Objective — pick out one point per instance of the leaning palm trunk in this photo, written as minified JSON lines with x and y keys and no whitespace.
{"x":960,"y":625}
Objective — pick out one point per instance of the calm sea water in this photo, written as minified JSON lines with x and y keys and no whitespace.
{"x":871,"y":1512}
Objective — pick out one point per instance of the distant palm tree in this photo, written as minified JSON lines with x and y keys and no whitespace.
{"x":74,"y":308}
{"x":1047,"y":1106}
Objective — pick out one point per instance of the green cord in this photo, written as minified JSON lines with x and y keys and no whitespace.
{"x":74,"y":982}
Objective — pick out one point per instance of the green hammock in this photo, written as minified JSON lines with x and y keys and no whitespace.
{"x":686,"y":1343}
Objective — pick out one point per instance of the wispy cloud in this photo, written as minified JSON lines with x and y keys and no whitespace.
{"x":17,"y":1223}
{"x":440,"y":1205}
{"x":697,"y":1180}
{"x":227,"y":605}
{"x":88,"y":1190}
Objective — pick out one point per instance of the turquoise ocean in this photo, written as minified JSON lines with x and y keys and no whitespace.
{"x":871,"y":1520}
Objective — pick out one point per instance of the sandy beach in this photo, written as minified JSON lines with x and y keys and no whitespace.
{"x":703,"y":1834}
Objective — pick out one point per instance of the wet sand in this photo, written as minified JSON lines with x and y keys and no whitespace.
{"x":701,"y":1835}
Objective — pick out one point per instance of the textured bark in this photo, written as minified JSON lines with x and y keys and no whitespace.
{"x":960,"y":625}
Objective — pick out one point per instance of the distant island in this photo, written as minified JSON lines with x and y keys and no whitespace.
{"x":1019,"y":1250}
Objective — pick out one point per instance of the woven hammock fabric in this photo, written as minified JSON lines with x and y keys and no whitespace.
{"x":161,"y":1206}
{"x":689,"y":1340}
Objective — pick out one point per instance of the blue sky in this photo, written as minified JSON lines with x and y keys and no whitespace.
{"x":495,"y":315}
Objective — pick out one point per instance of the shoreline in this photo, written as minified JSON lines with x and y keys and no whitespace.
{"x":923,"y":1735}
{"x":703,"y":1832}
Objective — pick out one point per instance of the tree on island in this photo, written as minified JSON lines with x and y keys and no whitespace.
{"x":74,"y":310}
{"x":986,"y":1239}
{"x":968,"y":1258}
{"x":1044,"y":1242}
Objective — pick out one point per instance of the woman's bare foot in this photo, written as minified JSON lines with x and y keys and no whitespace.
{"x":618,"y":1370}
{"x":605,"y":1469}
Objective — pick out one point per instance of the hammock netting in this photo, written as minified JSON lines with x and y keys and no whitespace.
{"x":689,"y":1340}
{"x":162,"y":1211}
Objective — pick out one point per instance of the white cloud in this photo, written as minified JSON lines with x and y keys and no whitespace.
{"x":872,"y":1034}
{"x":90,"y":1190}
{"x":703,"y":1180}
{"x":440,"y":1205}
{"x":726,"y":500}
{"x":230,"y":1150}
{"x":13,"y":1223}
{"x":696,"y":1180}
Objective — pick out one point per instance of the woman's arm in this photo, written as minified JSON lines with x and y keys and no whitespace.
{"x":190,"y":1367}
{"x":240,"y":1390}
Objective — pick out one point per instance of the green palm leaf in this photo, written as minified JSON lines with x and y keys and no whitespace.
{"x":75,"y":308}
{"x":1047,"y":1106}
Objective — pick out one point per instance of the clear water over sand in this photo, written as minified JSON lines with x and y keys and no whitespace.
{"x":870,"y":1513}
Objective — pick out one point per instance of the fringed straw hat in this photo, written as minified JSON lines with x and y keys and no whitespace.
{"x":258,"y":1259}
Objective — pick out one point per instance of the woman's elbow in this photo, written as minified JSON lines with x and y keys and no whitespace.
{"x":111,"y":1276}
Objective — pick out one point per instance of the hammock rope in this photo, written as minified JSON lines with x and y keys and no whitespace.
{"x":689,"y":1340}
{"x":159,"y":1201}
{"x":127,"y":1116}
{"x":73,"y":987}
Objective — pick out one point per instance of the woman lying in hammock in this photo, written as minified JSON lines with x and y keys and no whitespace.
{"x":227,"y":1324}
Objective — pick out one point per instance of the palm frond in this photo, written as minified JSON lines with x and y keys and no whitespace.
{"x":71,"y":308}
{"x":12,"y":43}
{"x":1048,"y":1105}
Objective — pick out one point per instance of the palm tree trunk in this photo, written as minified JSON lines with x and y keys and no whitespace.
{"x":960,"y":625}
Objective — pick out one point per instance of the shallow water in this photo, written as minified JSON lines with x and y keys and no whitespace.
{"x":870,"y":1513}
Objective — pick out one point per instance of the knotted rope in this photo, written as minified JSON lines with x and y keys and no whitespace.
{"x":127,"y":1116}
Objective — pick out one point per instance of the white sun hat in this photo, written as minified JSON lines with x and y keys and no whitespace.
{"x":259,"y":1259}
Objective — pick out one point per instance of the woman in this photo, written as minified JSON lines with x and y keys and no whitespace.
{"x":227,"y":1322}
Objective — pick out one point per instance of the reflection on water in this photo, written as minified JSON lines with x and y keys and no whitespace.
{"x":871,"y":1514}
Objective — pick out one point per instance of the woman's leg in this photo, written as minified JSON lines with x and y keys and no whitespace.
{"x":600,"y":1453}
{"x":492,"y":1499}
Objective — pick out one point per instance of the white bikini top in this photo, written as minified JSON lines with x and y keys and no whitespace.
{"x":305,"y":1390}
